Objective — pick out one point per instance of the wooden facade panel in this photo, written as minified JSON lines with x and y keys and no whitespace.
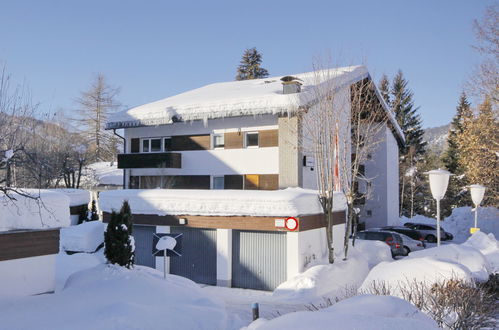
{"x":268,"y":138}
{"x":191,"y":142}
{"x":28,"y":243}
{"x":251,"y":182}
{"x":233,"y":140}
{"x":77,"y":210}
{"x":305,"y":223}
{"x":268,"y":182}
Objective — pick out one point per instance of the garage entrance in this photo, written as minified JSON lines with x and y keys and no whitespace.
{"x":143,"y":245}
{"x":258,"y":259}
{"x":199,"y":255}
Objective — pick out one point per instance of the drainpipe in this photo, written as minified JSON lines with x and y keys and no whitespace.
{"x":124,"y":151}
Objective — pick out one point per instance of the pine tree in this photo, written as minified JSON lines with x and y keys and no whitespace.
{"x":407,"y":116}
{"x":93,"y":212}
{"x":456,"y":195}
{"x":478,"y":145}
{"x":118,"y":239}
{"x":384,"y":88}
{"x":412,"y":153}
{"x":249,"y":67}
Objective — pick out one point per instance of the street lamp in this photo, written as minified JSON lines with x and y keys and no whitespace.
{"x":477,"y":192}
{"x":439,"y":180}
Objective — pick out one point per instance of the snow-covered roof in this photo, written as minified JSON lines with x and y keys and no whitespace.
{"x":76,"y":196}
{"x":46,"y":209}
{"x":289,"y":202}
{"x":240,"y":98}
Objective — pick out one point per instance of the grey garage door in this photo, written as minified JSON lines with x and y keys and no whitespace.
{"x":143,"y":245}
{"x":199,"y":255}
{"x":258,"y":259}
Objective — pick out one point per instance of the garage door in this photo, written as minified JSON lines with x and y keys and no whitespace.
{"x":143,"y":245}
{"x":199,"y":255}
{"x":258,"y":259}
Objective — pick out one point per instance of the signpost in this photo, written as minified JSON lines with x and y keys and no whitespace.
{"x":168,"y":245}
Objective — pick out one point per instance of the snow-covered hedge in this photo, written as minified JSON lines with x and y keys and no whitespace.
{"x":287,"y":202}
{"x":85,"y":237}
{"x":46,"y":209}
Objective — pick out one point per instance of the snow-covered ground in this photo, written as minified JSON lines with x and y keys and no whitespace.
{"x":102,"y":174}
{"x":462,"y":219}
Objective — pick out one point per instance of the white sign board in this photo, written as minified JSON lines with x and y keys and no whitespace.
{"x":280,"y":223}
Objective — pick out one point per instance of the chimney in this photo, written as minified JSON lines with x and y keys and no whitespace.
{"x":291,"y":85}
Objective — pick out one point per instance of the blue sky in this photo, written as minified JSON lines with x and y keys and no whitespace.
{"x":155,"y":49}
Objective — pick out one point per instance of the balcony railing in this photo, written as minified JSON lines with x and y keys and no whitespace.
{"x":150,"y":160}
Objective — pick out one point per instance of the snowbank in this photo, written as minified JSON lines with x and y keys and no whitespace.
{"x":76,"y":196}
{"x":111,"y":297}
{"x":402,"y":272}
{"x":359,"y":312}
{"x":488,"y":246}
{"x":330,"y":280}
{"x":374,"y":251}
{"x":462,"y":219}
{"x":68,"y":264}
{"x":85,"y":237}
{"x":467,"y":256}
{"x":102,"y":174}
{"x":288,"y":202}
{"x":48,"y":209}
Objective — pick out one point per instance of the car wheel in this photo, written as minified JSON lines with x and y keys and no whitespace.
{"x":431,"y":239}
{"x":406,"y":251}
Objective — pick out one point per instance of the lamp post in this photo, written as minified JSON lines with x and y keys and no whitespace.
{"x":439,"y":180}
{"x":477,"y":192}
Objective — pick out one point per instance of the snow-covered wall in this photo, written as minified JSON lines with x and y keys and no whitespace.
{"x":27,"y":276}
{"x":47,"y":209}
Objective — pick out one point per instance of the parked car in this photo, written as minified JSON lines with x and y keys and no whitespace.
{"x":409,"y":244}
{"x":412,"y":233}
{"x":391,"y":238}
{"x":429,"y":231}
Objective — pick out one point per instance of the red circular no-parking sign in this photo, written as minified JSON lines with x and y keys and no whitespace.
{"x":291,"y":223}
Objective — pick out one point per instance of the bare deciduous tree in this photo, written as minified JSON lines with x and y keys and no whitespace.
{"x":95,"y":105}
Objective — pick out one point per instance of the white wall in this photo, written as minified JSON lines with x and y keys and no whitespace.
{"x":392,"y":191}
{"x":217,"y":161}
{"x":27,"y":276}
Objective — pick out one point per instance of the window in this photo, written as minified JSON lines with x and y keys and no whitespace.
{"x":251,"y":139}
{"x":369,"y":213}
{"x":218,"y":141}
{"x":167,"y":143}
{"x":145,"y":145}
{"x":218,"y":182}
{"x":152,"y":145}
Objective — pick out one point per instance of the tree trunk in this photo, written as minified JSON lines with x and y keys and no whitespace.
{"x":327,"y":206}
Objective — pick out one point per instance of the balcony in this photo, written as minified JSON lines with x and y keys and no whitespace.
{"x":150,"y":160}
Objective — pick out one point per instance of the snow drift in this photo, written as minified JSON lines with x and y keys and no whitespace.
{"x":401,"y":273}
{"x":46,"y":209}
{"x":467,"y":256}
{"x":359,"y":312}
{"x":287,"y":202}
{"x":488,"y":246}
{"x":112,"y":297}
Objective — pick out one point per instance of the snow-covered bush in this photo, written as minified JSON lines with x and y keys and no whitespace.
{"x":488,"y":246}
{"x":118,"y":239}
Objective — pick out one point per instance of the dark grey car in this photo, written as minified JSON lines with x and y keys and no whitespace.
{"x":391,"y":238}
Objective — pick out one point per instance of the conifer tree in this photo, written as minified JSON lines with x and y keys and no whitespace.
{"x":412,"y":153}
{"x":384,"y":88}
{"x":249,"y":67}
{"x":456,"y":193}
{"x":93,"y":212}
{"x":478,"y":145}
{"x":118,"y":239}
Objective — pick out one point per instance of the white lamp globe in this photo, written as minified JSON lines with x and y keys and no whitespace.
{"x":477,"y":193}
{"x":439,"y":180}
